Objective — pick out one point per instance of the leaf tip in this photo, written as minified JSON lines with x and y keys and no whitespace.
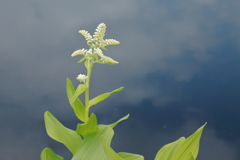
{"x":46,"y":112}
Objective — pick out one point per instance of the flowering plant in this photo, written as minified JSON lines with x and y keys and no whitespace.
{"x":90,"y":140}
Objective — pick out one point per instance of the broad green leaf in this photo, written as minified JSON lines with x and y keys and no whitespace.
{"x":85,"y":57}
{"x":182,"y":149}
{"x":48,"y":154}
{"x":91,"y":147}
{"x":110,"y":153}
{"x":89,"y":127}
{"x":191,"y":144}
{"x":130,"y":156}
{"x":169,"y":150}
{"x":102,"y":97}
{"x":80,"y":89}
{"x":77,"y":105}
{"x":60,"y":133}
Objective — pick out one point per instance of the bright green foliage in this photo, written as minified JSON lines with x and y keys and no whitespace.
{"x":89,"y":127}
{"x":101,"y":126}
{"x":90,"y":140}
{"x":103,"y":96}
{"x":48,"y":154}
{"x":190,"y":146}
{"x":114,"y":124}
{"x":130,"y":156}
{"x":182,"y":149}
{"x":168,"y":151}
{"x":60,"y":133}
{"x":77,"y":105}
{"x":110,"y":153}
{"x":92,"y":147}
{"x":80,"y":89}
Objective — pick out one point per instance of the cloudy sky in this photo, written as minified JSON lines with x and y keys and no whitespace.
{"x":178,"y":61}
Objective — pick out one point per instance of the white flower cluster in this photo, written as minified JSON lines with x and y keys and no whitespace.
{"x":97,"y":43}
{"x":97,"y":40}
{"x":81,"y":77}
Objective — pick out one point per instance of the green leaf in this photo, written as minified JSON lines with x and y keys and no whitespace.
{"x":85,"y":57}
{"x":130,"y":156}
{"x":191,"y":144}
{"x":60,"y":133}
{"x":102,"y":97}
{"x":102,"y":126}
{"x":80,"y":89}
{"x":169,"y":150}
{"x":91,"y":147}
{"x":110,"y":153}
{"x":77,"y":105}
{"x":86,"y":63}
{"x":48,"y":154}
{"x":89,"y":127}
{"x":182,"y":149}
{"x":114,"y":124}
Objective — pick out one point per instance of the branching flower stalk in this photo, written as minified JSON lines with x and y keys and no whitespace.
{"x":94,"y":55}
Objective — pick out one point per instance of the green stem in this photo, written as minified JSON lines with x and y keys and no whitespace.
{"x":89,"y":71}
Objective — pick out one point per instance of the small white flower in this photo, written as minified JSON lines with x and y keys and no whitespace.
{"x":81,"y":77}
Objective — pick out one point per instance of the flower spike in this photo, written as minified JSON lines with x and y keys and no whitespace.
{"x":111,"y":42}
{"x":108,"y":60}
{"x":100,"y":32}
{"x":79,"y":52}
{"x":86,"y":35}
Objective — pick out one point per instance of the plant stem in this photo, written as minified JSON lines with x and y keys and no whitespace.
{"x":89,"y":71}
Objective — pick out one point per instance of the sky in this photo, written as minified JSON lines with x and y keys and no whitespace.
{"x":178,"y":61}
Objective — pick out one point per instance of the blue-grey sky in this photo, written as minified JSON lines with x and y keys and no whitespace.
{"x":178,"y":61}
